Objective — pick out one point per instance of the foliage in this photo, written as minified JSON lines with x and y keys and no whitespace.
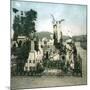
{"x":30,"y":19}
{"x":39,"y":68}
{"x":83,"y":45}
{"x":22,"y":55}
{"x":24,"y":25}
{"x":36,"y":43}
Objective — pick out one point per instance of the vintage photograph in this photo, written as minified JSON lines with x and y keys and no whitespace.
{"x":48,"y":44}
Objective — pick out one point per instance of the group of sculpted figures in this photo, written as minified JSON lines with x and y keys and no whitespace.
{"x":69,"y":58}
{"x":66,"y":53}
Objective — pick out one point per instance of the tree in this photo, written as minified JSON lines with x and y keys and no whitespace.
{"x":30,"y":19}
{"x":36,"y":43}
{"x":15,"y":10}
{"x":39,"y":68}
{"x":24,"y":25}
{"x":16,"y":27}
{"x":22,"y":55}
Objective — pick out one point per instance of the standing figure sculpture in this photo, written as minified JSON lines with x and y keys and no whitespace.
{"x":57,"y":32}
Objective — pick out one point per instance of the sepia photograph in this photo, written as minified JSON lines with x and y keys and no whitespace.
{"x":48,"y":44}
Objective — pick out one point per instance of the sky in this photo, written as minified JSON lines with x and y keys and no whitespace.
{"x":74,"y":15}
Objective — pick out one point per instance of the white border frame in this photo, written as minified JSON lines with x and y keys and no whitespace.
{"x":5,"y":44}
